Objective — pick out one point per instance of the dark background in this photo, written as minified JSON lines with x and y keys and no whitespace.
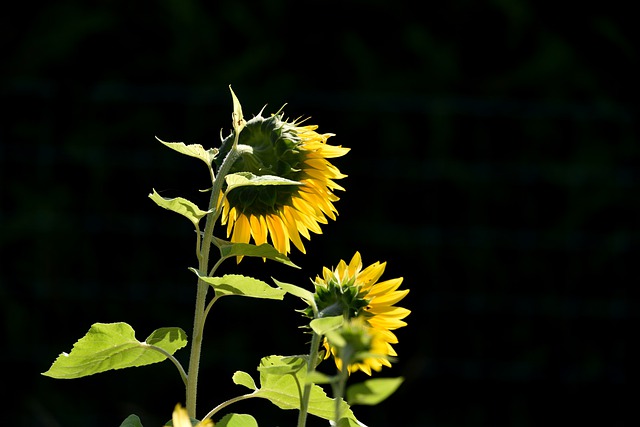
{"x":494,"y":166}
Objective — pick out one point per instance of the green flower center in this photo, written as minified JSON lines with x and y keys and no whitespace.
{"x":276,"y":152}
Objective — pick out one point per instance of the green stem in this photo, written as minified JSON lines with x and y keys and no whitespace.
{"x":169,"y":356}
{"x":227,"y":403}
{"x":203,"y":287}
{"x":338,"y":391}
{"x":311,"y":366}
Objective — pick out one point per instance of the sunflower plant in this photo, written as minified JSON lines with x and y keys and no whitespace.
{"x":272,"y":184}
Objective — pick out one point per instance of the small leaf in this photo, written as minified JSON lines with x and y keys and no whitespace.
{"x":236,"y":284}
{"x":168,"y":339}
{"x":113,"y":346}
{"x":265,"y":250}
{"x":237,"y":420}
{"x":179,"y":205}
{"x":297,"y":291}
{"x":243,"y":179}
{"x":193,"y":150}
{"x":325,"y":324}
{"x":373,"y":391}
{"x":131,"y":421}
{"x":278,"y":365}
{"x":242,"y":378}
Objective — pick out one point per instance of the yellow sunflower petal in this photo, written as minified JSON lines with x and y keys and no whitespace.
{"x":382,"y":288}
{"x":241,"y":230}
{"x":258,"y":229}
{"x":387,"y":299}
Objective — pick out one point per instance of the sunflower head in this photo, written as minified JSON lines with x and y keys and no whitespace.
{"x":356,"y":344}
{"x":282,"y":212}
{"x":355,"y":292}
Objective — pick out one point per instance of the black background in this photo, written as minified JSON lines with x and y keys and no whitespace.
{"x":494,"y":166}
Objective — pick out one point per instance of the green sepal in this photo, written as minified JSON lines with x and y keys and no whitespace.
{"x":193,"y":150}
{"x":373,"y":391}
{"x":108,"y":346}
{"x":131,"y":421}
{"x":179,"y":205}
{"x":265,"y":250}
{"x":237,"y":284}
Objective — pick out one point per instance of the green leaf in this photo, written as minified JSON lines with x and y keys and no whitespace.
{"x":243,"y":179}
{"x":373,"y":391}
{"x":297,"y":291}
{"x":193,"y":150}
{"x":282,"y":365}
{"x":265,"y":250}
{"x":325,"y":324}
{"x":317,"y":377}
{"x":131,"y":421}
{"x":282,"y":385}
{"x":113,"y":346}
{"x":242,"y":378}
{"x":179,"y":205}
{"x":168,"y":339}
{"x":236,"y":284}
{"x":237,"y":420}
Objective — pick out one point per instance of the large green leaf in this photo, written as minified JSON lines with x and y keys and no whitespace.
{"x":114,"y":346}
{"x":282,"y":379}
{"x":179,"y":205}
{"x":373,"y":391}
{"x":237,"y":284}
{"x":265,"y":250}
{"x":193,"y":150}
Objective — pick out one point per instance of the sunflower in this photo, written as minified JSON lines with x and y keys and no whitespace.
{"x":354,"y":292}
{"x":282,"y":213}
{"x":181,"y":418}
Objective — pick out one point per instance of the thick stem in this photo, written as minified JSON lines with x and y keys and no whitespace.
{"x":311,"y":366}
{"x":338,"y":392}
{"x":203,"y":287}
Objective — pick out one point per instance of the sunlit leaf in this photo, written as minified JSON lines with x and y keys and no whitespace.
{"x":179,"y":205}
{"x":193,"y":150}
{"x":242,"y":378}
{"x":243,"y":179}
{"x":236,"y":284}
{"x":237,"y":420}
{"x":325,"y":324}
{"x":110,"y":346}
{"x":297,"y":291}
{"x":282,"y":386}
{"x":265,"y":250}
{"x":373,"y":391}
